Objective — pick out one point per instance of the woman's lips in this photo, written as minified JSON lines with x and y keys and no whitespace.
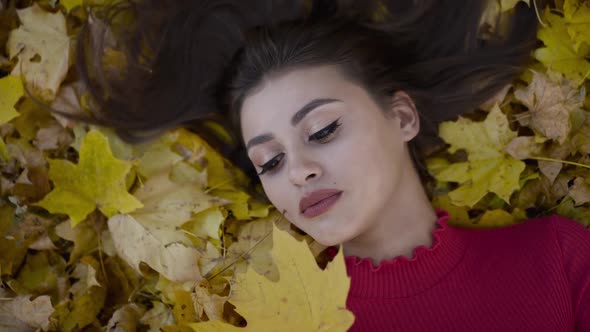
{"x":321,"y":206}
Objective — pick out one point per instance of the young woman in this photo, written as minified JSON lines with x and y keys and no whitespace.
{"x":330,"y":101}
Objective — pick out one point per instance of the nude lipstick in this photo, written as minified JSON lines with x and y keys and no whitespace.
{"x":318,"y":202}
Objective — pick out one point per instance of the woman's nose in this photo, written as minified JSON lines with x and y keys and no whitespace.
{"x":302,"y":171}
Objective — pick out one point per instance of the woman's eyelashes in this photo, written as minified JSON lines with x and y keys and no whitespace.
{"x":320,"y":136}
{"x":325,"y":132}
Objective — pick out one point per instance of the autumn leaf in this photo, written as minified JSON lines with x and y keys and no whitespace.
{"x":81,"y":311}
{"x":495,"y":218}
{"x":42,"y":47}
{"x":34,"y":313}
{"x":97,"y":181}
{"x":83,"y":237}
{"x":581,"y":138}
{"x":580,"y":191}
{"x":577,"y":15}
{"x":205,"y":226}
{"x":152,"y":234}
{"x":155,"y":157}
{"x":31,"y":119}
{"x":459,"y":215}
{"x":12,"y":90}
{"x":551,"y":169}
{"x":125,"y":319}
{"x":167,"y":251}
{"x":550,"y":106}
{"x":4,"y":154}
{"x":207,"y":302}
{"x":40,"y":273}
{"x":305,"y":298}
{"x":523,"y":147}
{"x":489,"y":168}
{"x":69,"y":4}
{"x":157,"y":317}
{"x":569,"y":210}
{"x":171,"y":203}
{"x":196,"y":151}
{"x":559,"y":53}
{"x":252,"y":234}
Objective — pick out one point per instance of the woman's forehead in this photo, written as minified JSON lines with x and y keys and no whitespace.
{"x":286,"y":93}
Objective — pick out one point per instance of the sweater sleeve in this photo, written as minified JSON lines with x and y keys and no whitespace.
{"x":574,"y":241}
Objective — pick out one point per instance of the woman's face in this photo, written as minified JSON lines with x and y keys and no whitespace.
{"x":313,"y":130}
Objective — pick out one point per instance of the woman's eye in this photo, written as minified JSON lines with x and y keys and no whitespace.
{"x":325,"y":132}
{"x":271,"y":164}
{"x":318,"y":136}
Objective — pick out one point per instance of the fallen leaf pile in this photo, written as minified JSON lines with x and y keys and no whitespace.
{"x":97,"y":234}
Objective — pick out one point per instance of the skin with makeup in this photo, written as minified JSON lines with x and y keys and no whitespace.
{"x":312,"y":129}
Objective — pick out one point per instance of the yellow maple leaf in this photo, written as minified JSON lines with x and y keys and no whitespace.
{"x":12,"y":90}
{"x":560,"y":53}
{"x":69,"y":4}
{"x":489,"y":168}
{"x":97,"y":181}
{"x":305,"y":298}
{"x":42,"y":46}
{"x":577,"y":15}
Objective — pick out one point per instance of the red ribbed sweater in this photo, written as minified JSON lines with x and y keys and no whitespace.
{"x":532,"y":276}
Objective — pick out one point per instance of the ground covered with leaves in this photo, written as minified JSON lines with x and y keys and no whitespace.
{"x":97,"y":234}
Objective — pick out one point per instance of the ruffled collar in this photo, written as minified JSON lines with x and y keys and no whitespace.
{"x":402,"y":276}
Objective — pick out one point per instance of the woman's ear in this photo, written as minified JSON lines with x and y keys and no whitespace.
{"x":404,"y":108}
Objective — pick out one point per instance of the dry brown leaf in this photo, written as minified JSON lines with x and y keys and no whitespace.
{"x":53,"y":137}
{"x":125,"y":319}
{"x":550,"y":105}
{"x":42,"y":46}
{"x":34,"y":313}
{"x":580,"y":191}
{"x":166,"y":251}
{"x":209,"y":303}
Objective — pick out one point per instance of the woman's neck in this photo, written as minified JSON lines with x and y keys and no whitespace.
{"x":408,"y":222}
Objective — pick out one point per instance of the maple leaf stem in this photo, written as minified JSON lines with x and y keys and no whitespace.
{"x":195,"y":236}
{"x":565,"y":199}
{"x":100,"y":258}
{"x":560,"y":161}
{"x":209,"y":278}
{"x":539,"y":16}
{"x":219,"y":185}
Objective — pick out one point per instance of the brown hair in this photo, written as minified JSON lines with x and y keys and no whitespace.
{"x":192,"y":62}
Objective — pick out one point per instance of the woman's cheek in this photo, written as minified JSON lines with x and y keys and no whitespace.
{"x":276,"y":195}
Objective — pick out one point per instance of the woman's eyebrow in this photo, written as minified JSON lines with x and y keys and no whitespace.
{"x":297,"y":117}
{"x":312,"y":105}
